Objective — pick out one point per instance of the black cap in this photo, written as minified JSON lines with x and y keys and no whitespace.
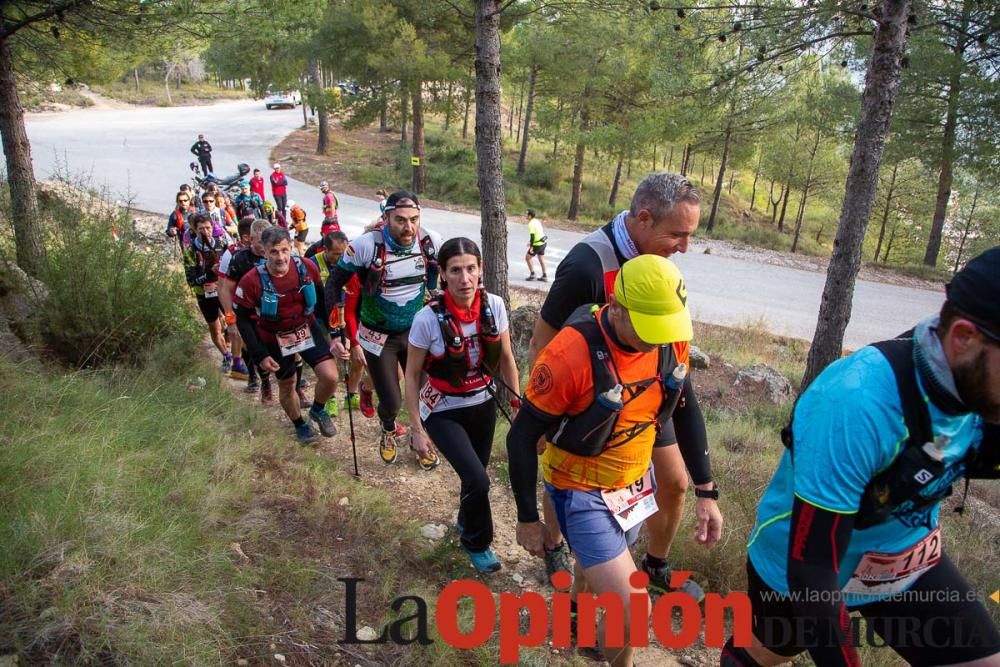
{"x":393,"y":200}
{"x":531,"y":212}
{"x":975,"y":291}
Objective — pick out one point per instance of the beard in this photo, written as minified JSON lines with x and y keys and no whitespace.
{"x":974,"y":383}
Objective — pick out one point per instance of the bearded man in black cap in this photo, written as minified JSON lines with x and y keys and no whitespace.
{"x":850,"y":520}
{"x":397,"y":264}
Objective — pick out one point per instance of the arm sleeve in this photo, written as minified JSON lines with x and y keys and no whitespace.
{"x":579,"y":280}
{"x":194,"y":148}
{"x":692,"y":437}
{"x":339,"y":275}
{"x":522,"y":459}
{"x":819,"y":542}
{"x":322,"y":310}
{"x":248,"y":332}
{"x":352,"y":302}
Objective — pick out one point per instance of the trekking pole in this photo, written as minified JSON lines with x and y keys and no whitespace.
{"x":350,"y":410}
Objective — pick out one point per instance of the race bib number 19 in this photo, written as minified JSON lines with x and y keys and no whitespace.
{"x":633,"y":504}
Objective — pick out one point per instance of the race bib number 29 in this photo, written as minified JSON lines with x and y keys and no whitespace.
{"x":296,"y":340}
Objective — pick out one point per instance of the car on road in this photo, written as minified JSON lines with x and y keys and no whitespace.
{"x":348,"y":87}
{"x":283,"y":98}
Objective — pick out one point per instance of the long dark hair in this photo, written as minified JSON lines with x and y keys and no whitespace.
{"x":455,"y":247}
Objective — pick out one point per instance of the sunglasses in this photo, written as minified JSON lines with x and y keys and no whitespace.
{"x":183,"y":201}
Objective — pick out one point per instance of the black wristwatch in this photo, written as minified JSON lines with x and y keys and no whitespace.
{"x":712,"y":493}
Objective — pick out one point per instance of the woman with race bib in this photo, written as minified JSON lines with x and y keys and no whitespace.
{"x":459,"y":347}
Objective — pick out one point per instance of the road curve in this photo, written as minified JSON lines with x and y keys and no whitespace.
{"x":141,"y":154}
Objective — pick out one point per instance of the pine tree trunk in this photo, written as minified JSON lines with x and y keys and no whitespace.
{"x":20,"y":174}
{"x":448,"y":106}
{"x":805,"y":193}
{"x":732,"y":179}
{"x":965,"y":231}
{"x":892,"y":237}
{"x":628,"y":171}
{"x":717,"y":195}
{"x":614,"y":185}
{"x":756,"y":175}
{"x":135,"y":73}
{"x":784,"y":207}
{"x":885,"y":212}
{"x":878,"y":99}
{"x":489,"y":154}
{"x":520,"y":113}
{"x":468,"y":106}
{"x":166,"y":84}
{"x":685,"y":158}
{"x":383,"y":116}
{"x":775,"y":202}
{"x":322,"y":121}
{"x":670,"y":160}
{"x":419,"y":169}
{"x":404,"y":112}
{"x":522,"y":158}
{"x":948,"y":141}
{"x":555,"y":135}
{"x":581,"y":153}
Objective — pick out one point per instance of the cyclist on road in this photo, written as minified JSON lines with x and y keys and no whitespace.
{"x":851,"y":518}
{"x":396,"y":266}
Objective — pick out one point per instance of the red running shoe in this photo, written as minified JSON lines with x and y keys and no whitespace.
{"x":367,"y":402}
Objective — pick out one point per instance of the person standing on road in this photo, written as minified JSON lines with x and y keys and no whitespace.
{"x":597,"y":393}
{"x":257,"y":185}
{"x":851,"y":518}
{"x":279,"y":188}
{"x":457,"y":405}
{"x":396,"y":266}
{"x":662,"y":217}
{"x":536,"y":247}
{"x":330,"y":206}
{"x":275,"y":313}
{"x":203,"y":151}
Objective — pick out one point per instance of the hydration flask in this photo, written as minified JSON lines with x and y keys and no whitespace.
{"x":587,"y":433}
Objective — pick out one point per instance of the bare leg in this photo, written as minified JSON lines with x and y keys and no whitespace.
{"x":671,"y":488}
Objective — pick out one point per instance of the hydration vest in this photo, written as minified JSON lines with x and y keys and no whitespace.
{"x":590,"y":432}
{"x":375,"y":279}
{"x":324,"y":268}
{"x":914,"y":468}
{"x":268,"y":308}
{"x":449,"y":372}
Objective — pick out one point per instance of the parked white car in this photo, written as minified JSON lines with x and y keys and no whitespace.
{"x":283,"y":98}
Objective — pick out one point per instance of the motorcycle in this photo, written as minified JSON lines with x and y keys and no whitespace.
{"x":230,"y":185}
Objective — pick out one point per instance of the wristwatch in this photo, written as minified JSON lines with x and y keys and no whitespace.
{"x":712,"y":493}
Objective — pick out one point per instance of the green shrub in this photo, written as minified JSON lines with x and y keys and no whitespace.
{"x":111,"y":301}
{"x":540,"y":174}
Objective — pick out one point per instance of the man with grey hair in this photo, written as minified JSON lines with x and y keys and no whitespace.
{"x":660,"y":221}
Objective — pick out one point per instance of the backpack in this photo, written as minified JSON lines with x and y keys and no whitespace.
{"x":268,"y":308}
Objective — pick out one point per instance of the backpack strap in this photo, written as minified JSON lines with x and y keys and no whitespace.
{"x":916,"y":416}
{"x":584,"y":320}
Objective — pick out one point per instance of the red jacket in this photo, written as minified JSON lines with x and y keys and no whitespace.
{"x":279,"y":183}
{"x":257,"y":185}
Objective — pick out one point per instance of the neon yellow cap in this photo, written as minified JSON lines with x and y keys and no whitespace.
{"x":651,"y":288}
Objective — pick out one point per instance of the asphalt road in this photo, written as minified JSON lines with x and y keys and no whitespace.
{"x":142,"y":155}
